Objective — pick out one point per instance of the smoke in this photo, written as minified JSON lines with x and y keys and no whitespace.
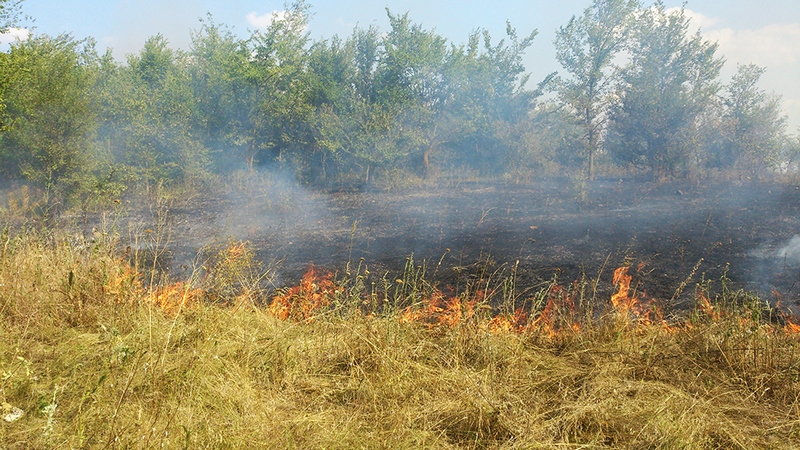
{"x":790,"y":252}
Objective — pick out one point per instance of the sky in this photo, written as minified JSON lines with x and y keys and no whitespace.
{"x":764,"y":32}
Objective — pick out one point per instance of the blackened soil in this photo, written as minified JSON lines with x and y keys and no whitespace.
{"x":545,"y":229}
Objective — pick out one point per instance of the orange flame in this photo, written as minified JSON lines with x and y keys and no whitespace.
{"x":175,"y":297}
{"x":505,"y":324}
{"x":706,"y":307}
{"x":128,"y":279}
{"x":622,"y":300}
{"x":791,"y":327}
{"x":439,"y":310}
{"x":304,"y":301}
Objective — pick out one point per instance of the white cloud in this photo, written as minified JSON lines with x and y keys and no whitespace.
{"x":263,"y":21}
{"x":14,"y":34}
{"x":698,"y":20}
{"x":772,"y":46}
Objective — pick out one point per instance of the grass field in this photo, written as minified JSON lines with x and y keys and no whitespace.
{"x":95,"y":354}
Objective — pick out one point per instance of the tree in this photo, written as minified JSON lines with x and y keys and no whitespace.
{"x":275,"y":65}
{"x":586,"y":47}
{"x":224,"y":98}
{"x":411,"y":86}
{"x":147,"y":116}
{"x":9,"y":16}
{"x":10,"y":11}
{"x":51,"y":111}
{"x":490,"y":106}
{"x":670,"y":80}
{"x":753,"y":124}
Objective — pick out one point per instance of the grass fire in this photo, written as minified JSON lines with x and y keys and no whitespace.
{"x":393,"y":239}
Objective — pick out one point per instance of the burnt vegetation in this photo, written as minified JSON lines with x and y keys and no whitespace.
{"x":393,"y":240}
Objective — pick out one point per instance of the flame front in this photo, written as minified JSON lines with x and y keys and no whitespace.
{"x":302,"y":302}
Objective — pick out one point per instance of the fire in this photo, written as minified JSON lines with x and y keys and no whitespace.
{"x":439,"y":310}
{"x":302,"y":302}
{"x":705,"y":306}
{"x":505,"y":324}
{"x":622,"y":300}
{"x":127,"y":279}
{"x":791,"y":327}
{"x":174,"y":297}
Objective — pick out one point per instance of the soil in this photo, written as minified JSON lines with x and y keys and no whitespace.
{"x":544,"y":229}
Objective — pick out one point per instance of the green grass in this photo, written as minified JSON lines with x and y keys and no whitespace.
{"x":94,"y":363}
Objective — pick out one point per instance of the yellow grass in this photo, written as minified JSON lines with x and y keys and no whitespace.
{"x":94,"y":361}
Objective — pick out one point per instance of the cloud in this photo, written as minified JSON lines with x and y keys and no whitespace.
{"x":698,"y":20}
{"x":14,"y":34}
{"x":263,"y":21}
{"x":771,"y":46}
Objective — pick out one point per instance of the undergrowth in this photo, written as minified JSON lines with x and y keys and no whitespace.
{"x":93,"y":356}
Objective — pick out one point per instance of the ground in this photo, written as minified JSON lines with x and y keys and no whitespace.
{"x":545,"y":228}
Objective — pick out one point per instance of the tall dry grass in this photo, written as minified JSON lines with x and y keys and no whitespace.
{"x":96,"y":359}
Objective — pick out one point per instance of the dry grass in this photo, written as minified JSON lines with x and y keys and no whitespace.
{"x":93,"y":362}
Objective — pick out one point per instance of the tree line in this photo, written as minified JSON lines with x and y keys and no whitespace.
{"x":639,"y":92}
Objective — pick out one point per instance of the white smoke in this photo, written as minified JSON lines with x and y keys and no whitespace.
{"x":791,"y":251}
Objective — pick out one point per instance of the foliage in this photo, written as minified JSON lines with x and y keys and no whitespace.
{"x":752,"y":129}
{"x":147,"y":114}
{"x":51,"y":119}
{"x":405,"y":103}
{"x":586,"y":47}
{"x":670,"y":80}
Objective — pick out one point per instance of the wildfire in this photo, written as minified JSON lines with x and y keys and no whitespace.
{"x":623,"y":301}
{"x":304,"y":301}
{"x":439,"y":310}
{"x":791,"y":327}
{"x":504,"y":324}
{"x":559,"y":317}
{"x":705,"y":306}
{"x":127,"y":279}
{"x":174,"y":297}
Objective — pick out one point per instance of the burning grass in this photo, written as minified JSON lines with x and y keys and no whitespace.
{"x":94,"y":358}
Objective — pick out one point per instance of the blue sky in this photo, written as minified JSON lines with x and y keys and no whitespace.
{"x":765,"y":32}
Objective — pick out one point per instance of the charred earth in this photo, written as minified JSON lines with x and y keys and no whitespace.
{"x":674,"y":233}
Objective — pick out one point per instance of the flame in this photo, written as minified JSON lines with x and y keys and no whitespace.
{"x":622,"y":300}
{"x":439,"y":310}
{"x":302,"y":302}
{"x":791,"y":327}
{"x":174,"y":297}
{"x":235,"y":251}
{"x":127,"y":279}
{"x":506,"y":324}
{"x":560,"y":312}
{"x":706,"y":307}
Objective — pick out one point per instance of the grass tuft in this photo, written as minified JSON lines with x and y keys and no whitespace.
{"x":96,"y":359}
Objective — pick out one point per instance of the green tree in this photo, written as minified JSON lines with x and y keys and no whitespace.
{"x":670,"y":81}
{"x":411,"y":87}
{"x":334,"y":92}
{"x":754,"y":125}
{"x":52,"y":116}
{"x":275,"y":64}
{"x":489,"y":107}
{"x":224,"y":99}
{"x":10,"y":12}
{"x":147,"y":117}
{"x":586,"y":48}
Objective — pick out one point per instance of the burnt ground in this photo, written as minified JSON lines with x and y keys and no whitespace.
{"x":746,"y":229}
